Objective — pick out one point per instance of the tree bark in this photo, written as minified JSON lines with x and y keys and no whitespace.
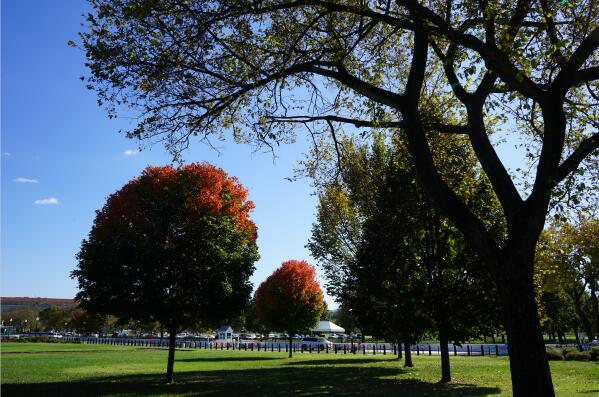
{"x":408,"y":360}
{"x":444,"y":347}
{"x":399,"y":350}
{"x":171,"y":355}
{"x":290,"y":345}
{"x":528,"y":359}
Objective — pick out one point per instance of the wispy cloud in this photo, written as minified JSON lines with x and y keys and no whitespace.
{"x":6,"y":154}
{"x":25,"y":180}
{"x":46,"y":201}
{"x":130,"y":152}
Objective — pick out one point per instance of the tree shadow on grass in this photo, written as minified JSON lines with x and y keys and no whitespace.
{"x":348,"y":361}
{"x":281,"y":381}
{"x":221,"y":359}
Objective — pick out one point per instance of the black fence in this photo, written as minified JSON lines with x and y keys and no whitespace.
{"x":336,"y":348}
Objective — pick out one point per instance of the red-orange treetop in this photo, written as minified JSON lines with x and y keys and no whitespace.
{"x":207,"y":191}
{"x":290,"y":299}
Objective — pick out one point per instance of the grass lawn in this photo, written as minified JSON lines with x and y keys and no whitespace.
{"x":97,"y":370}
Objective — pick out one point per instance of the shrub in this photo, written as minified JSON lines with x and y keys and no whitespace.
{"x":554,"y":354}
{"x":567,"y":350}
{"x":578,"y":356}
{"x":594,"y":353}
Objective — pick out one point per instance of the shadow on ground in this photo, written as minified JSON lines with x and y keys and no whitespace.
{"x":287,"y":381}
{"x":222,"y":359}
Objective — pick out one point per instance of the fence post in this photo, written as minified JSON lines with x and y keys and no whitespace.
{"x":310,"y":348}
{"x":272,"y":346}
{"x":327,"y":348}
{"x":384,"y":349}
{"x":417,"y":349}
{"x":279,"y":347}
{"x":482,"y":350}
{"x":374,"y":349}
{"x":430,"y":353}
{"x":364,"y":348}
{"x":455,"y":351}
{"x":468,"y":348}
{"x":496,"y":350}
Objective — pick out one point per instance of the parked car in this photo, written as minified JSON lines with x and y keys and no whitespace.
{"x":315,"y":343}
{"x":595,"y":342}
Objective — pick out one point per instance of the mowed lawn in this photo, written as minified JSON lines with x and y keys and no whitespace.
{"x":38,"y":369}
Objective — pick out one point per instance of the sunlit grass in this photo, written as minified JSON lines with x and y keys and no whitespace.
{"x":63,"y":369}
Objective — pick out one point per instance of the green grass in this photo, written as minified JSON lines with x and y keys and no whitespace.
{"x":99,"y":370}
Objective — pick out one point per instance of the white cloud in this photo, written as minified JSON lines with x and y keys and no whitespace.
{"x":25,"y":180}
{"x":130,"y":152}
{"x":6,"y":154}
{"x":47,"y":201}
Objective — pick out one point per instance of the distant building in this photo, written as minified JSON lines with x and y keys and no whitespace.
{"x":9,"y":303}
{"x":224,"y":333}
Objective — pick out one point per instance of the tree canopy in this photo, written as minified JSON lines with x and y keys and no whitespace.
{"x":412,"y":272}
{"x":174,"y":245}
{"x":257,"y":69}
{"x":290,"y":299}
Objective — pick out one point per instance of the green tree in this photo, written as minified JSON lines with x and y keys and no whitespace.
{"x":23,"y":318}
{"x":526,"y":67}
{"x":173,"y":245}
{"x":56,"y":317}
{"x":290,"y":299}
{"x":413,"y":272}
{"x":567,"y":263}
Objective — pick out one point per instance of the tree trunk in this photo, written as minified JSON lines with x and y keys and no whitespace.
{"x":290,"y":346}
{"x":528,"y":359}
{"x":586,"y":323}
{"x":408,"y":361}
{"x":399,"y":350}
{"x":444,"y":346}
{"x":171,"y":355}
{"x":594,"y":308}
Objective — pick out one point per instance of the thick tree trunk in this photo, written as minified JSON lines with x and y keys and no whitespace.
{"x":171,"y":355}
{"x":444,"y":347}
{"x":399,"y":350}
{"x":290,"y":346}
{"x":528,"y":359}
{"x":408,"y":361}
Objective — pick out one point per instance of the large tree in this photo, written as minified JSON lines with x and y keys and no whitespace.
{"x":568,"y":264}
{"x":530,"y":67}
{"x":290,"y":299}
{"x":412,"y":272}
{"x":174,"y":245}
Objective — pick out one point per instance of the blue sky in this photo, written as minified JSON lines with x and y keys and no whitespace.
{"x":62,"y":156}
{"x":56,"y":137}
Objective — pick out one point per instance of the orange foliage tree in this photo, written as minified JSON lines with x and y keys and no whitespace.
{"x":290,"y":299}
{"x":174,"y":245}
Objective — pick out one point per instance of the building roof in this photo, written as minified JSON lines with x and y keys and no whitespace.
{"x":224,"y":328}
{"x":33,"y":301}
{"x":327,"y":326}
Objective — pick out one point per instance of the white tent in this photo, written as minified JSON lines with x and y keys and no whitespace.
{"x":327,"y":326}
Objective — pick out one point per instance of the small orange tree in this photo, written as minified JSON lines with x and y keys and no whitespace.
{"x":290,"y":299}
{"x":174,"y":245}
